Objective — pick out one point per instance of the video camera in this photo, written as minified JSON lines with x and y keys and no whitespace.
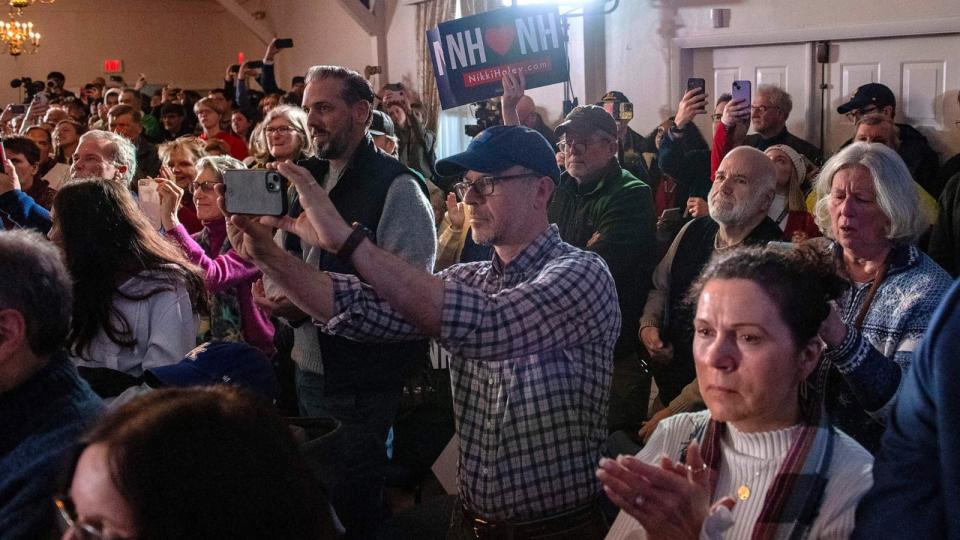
{"x":487,"y":114}
{"x":29,"y":85}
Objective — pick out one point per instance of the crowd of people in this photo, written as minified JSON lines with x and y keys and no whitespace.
{"x":647,"y":334}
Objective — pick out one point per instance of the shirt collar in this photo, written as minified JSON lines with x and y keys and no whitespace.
{"x":534,"y":252}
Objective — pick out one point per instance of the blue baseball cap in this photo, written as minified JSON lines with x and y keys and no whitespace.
{"x":498,"y":148}
{"x":219,"y":362}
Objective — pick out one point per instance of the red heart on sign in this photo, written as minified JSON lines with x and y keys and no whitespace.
{"x":500,"y":39}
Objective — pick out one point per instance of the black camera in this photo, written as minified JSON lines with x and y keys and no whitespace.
{"x":29,"y":85}
{"x":487,"y":114}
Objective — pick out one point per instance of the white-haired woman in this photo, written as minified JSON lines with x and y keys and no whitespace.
{"x":282,"y":135}
{"x":234,"y":315}
{"x":868,"y":205}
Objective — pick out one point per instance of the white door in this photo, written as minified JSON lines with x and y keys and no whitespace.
{"x":923,"y":72}
{"x":788,"y":66}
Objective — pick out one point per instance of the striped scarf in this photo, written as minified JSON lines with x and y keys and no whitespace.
{"x":793,"y":500}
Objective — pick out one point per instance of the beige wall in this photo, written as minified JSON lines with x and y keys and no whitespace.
{"x":187,"y":43}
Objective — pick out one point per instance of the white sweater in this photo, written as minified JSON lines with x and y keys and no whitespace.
{"x":753,"y":459}
{"x":164,"y":326}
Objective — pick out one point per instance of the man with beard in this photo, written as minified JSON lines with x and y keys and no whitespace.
{"x":357,"y":383}
{"x":738,"y":201}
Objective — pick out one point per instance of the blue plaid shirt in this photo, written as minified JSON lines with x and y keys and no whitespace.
{"x":532,"y":345}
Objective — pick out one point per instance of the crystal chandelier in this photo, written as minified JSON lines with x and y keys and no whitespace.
{"x":17,"y":37}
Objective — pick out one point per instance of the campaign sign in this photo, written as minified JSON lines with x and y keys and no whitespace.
{"x":471,"y":54}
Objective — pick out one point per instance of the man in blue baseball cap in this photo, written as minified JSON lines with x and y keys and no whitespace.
{"x":531,"y":332}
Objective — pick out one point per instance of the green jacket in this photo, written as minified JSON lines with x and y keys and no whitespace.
{"x":614,"y":218}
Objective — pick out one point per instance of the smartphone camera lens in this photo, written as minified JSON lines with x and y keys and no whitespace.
{"x":273,"y":183}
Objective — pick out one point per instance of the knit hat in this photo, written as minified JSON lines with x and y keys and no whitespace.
{"x":798,"y":162}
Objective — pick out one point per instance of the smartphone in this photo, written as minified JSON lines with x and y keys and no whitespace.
{"x":741,"y":91}
{"x":286,"y":43}
{"x":619,"y":110}
{"x":258,"y":192}
{"x":18,"y":108}
{"x":149,"y":199}
{"x":235,"y":68}
{"x":694,"y":82}
{"x":116,"y":78}
{"x":255,"y":64}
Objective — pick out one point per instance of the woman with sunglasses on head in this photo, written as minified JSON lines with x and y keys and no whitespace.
{"x":764,"y":460}
{"x":235,"y":316}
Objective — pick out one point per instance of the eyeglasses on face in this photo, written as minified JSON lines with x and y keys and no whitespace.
{"x":205,"y":187}
{"x":483,"y":186}
{"x":762,"y":109}
{"x":280,"y":129}
{"x":68,"y":518}
{"x":574,"y":146}
{"x":853,"y":116}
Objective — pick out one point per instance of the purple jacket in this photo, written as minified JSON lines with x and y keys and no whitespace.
{"x":229,"y":270}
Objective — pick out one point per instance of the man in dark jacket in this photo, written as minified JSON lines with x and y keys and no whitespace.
{"x":923,"y":161}
{"x":770,"y":110}
{"x":44,"y":404}
{"x":601,"y":207}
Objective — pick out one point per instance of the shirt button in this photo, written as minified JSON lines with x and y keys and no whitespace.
{"x":489,"y":424}
{"x":486,"y":472}
{"x":490,"y":381}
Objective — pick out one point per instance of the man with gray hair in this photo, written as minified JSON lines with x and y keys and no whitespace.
{"x":44,"y":404}
{"x":770,"y":110}
{"x":741,"y":195}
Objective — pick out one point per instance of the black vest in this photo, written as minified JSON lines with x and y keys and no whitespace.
{"x":694,"y":251}
{"x":351,"y":366}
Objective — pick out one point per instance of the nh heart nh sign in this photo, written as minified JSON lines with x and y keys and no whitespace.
{"x":471,"y":54}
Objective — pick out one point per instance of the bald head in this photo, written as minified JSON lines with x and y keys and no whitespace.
{"x":743,"y":188}
{"x":525,"y":109}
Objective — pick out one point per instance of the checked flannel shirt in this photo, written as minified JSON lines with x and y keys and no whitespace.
{"x":532,"y":347}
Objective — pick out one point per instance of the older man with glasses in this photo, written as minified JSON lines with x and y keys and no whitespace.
{"x":599,"y":206}
{"x":531,"y":332}
{"x":922,"y":161}
{"x":769,"y":113}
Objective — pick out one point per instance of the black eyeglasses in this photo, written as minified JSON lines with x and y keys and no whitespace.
{"x":483,"y":186}
{"x":81,"y":531}
{"x":853,"y":116}
{"x":566,"y":146}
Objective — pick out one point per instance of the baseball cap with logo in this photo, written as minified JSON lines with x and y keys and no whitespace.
{"x":219,"y":362}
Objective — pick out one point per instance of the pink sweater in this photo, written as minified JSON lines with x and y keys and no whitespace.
{"x":225,"y":271}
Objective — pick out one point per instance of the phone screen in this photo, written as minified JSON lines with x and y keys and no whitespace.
{"x":284,"y":43}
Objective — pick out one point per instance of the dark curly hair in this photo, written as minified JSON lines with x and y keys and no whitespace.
{"x":800,"y":281}
{"x":107,"y":240}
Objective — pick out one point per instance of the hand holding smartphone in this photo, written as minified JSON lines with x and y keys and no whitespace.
{"x":257,"y":192}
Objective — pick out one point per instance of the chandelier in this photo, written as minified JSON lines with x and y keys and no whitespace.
{"x":16,"y":6}
{"x":18,"y":38}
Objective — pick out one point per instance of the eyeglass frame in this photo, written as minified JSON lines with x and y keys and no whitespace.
{"x":194,"y":185}
{"x":763,"y":108}
{"x":856,"y":114}
{"x":579,"y":147}
{"x":487,"y":184}
{"x":69,"y":518}
{"x":280,"y":129}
